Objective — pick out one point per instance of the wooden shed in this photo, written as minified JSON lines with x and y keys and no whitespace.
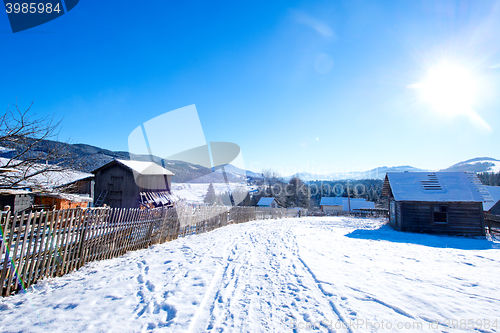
{"x":17,"y":200}
{"x":132,"y":184}
{"x":493,"y":207}
{"x":436,"y":202}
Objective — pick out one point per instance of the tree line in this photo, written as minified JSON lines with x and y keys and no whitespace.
{"x":489,"y":178}
{"x":297,"y":193}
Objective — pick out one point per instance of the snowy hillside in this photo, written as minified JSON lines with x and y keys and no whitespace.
{"x":194,"y":193}
{"x":480,"y":164}
{"x":377,"y":173}
{"x":331,"y":274}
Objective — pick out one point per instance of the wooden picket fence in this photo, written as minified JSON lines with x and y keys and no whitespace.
{"x":37,"y":245}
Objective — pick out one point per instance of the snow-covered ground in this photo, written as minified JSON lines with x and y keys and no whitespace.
{"x":195,"y":192}
{"x":326,"y":274}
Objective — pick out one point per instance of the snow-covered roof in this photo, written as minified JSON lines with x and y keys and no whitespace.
{"x":49,"y":179}
{"x":142,"y":168}
{"x":14,"y":192}
{"x":436,"y":186}
{"x":66,"y":196}
{"x":495,"y":194}
{"x":337,"y":201}
{"x":265,"y":201}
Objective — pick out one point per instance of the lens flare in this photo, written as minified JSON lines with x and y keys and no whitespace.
{"x":449,"y":89}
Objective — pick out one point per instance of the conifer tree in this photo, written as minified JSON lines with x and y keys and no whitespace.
{"x":210,"y":197}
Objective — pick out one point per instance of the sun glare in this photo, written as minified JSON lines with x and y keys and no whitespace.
{"x":449,"y":89}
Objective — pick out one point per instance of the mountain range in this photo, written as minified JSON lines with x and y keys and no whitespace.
{"x":479,"y":164}
{"x":95,"y":157}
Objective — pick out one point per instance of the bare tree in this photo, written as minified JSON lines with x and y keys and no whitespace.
{"x":32,"y":161}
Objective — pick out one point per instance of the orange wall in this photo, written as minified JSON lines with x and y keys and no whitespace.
{"x":59,"y":203}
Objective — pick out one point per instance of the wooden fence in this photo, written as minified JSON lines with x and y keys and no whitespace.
{"x":492,"y":223}
{"x":37,"y":245}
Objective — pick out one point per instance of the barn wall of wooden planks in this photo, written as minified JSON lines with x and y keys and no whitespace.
{"x":37,"y":245}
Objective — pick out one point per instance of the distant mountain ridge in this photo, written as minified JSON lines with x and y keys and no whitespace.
{"x":377,"y":173}
{"x":478,"y":164}
{"x":95,"y":157}
{"x":185,"y":172}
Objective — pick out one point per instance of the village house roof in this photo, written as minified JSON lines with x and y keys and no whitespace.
{"x":139,"y":167}
{"x":337,"y":201}
{"x":265,"y":201}
{"x":435,"y":187}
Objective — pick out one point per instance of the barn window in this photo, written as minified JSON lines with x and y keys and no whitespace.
{"x":440,"y":214}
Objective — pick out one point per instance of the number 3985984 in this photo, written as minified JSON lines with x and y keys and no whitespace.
{"x":32,"y":8}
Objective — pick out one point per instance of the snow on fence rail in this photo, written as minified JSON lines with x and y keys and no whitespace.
{"x":36,"y":245}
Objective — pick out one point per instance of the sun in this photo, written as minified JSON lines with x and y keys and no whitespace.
{"x":449,"y":89}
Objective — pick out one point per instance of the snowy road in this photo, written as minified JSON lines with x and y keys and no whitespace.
{"x":308,"y":274}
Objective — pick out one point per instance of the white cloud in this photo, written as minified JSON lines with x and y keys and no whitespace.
{"x":305,"y":19}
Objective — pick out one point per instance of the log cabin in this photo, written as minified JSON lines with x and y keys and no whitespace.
{"x":436,"y":202}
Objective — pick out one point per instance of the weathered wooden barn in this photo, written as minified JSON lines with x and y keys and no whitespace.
{"x":132,"y":184}
{"x":436,"y":202}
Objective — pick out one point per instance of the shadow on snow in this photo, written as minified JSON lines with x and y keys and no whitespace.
{"x":386,"y":233}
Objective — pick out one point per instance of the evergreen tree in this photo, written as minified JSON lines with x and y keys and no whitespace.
{"x":210,"y":197}
{"x":297,"y":193}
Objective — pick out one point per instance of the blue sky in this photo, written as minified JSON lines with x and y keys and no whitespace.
{"x":299,"y":85}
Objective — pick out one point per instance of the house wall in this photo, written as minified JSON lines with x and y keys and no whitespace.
{"x":17,"y":202}
{"x":58,"y":203}
{"x":463,"y":217}
{"x":330,"y":209}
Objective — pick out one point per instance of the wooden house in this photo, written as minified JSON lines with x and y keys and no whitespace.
{"x":132,"y":184}
{"x":331,"y":205}
{"x":493,"y":206}
{"x":267,"y":202}
{"x":436,"y":202}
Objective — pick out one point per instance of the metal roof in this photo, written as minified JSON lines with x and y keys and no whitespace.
{"x":337,"y":201}
{"x":265,"y":201}
{"x":436,"y":187}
